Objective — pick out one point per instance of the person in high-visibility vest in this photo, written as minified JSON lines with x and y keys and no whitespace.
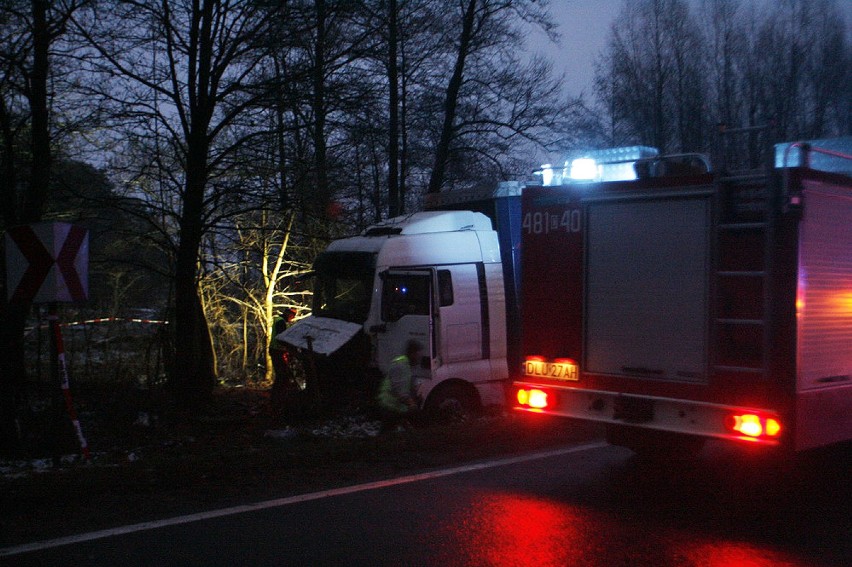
{"x":397,"y":395}
{"x":276,"y":350}
{"x":281,"y":379}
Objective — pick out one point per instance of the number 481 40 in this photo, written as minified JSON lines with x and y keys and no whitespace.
{"x":542,"y":222}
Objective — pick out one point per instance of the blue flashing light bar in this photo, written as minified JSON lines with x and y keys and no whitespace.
{"x":611,"y":164}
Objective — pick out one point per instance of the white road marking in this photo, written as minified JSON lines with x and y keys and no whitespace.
{"x":279,"y":502}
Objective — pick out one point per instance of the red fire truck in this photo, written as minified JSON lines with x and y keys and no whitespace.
{"x":679,"y":304}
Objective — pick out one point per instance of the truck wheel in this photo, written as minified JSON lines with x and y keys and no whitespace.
{"x":452,"y":403}
{"x":652,"y":444}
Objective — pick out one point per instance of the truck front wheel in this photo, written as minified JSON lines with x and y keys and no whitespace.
{"x":452,"y":403}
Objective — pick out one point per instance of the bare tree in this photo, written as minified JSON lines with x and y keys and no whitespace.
{"x":186,"y":74}
{"x":786,"y":67}
{"x":396,"y":204}
{"x":257,"y":277}
{"x":465,"y":46}
{"x":689,"y":86}
{"x":726,"y":39}
{"x":651,"y":75}
{"x":807,"y":77}
{"x":485,"y":40}
{"x":409,"y":39}
{"x":320,"y":70}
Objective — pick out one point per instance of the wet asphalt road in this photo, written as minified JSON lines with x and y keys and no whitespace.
{"x":590,"y":505}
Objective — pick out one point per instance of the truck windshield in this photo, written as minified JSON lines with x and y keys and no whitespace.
{"x":343,"y":285}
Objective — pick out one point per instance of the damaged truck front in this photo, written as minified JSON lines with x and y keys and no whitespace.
{"x":435,"y":277}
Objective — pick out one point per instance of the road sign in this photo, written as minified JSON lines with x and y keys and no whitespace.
{"x":47,"y":262}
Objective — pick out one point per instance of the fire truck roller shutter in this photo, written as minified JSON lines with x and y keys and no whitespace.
{"x":647,"y":288}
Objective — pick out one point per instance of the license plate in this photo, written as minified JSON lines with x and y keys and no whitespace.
{"x":554,"y":370}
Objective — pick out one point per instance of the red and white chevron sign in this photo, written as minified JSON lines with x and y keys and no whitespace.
{"x":47,"y":262}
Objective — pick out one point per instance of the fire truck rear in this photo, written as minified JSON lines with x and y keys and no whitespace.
{"x":674,"y":304}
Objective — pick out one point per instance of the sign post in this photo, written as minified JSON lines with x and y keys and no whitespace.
{"x":48,"y":263}
{"x":60,"y":370}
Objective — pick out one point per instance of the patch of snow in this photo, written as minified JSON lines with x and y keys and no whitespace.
{"x":348,"y":427}
{"x":352,"y":427}
{"x":286,"y":433}
{"x":21,"y":468}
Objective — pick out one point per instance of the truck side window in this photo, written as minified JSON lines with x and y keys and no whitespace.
{"x":445,"y":287}
{"x":404,"y":295}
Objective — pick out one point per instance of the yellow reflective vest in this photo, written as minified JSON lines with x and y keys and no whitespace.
{"x":397,"y":386}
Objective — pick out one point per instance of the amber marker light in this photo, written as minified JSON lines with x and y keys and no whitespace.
{"x":773,"y":428}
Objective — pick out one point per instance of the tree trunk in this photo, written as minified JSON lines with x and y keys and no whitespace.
{"x":194,"y":377}
{"x":280,"y":126}
{"x":41,"y":159}
{"x":442,"y":152}
{"x":321,"y":198}
{"x":9,"y":177}
{"x":13,"y":316}
{"x":12,"y":373}
{"x":195,"y":373}
{"x":395,"y":204}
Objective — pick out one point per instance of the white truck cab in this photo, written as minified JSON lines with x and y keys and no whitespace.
{"x":435,"y":277}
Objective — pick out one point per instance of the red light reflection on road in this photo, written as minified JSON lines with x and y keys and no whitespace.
{"x":505,"y":529}
{"x":502,"y":529}
{"x":726,"y":554}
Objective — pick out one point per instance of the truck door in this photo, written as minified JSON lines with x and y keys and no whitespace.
{"x":407,"y":309}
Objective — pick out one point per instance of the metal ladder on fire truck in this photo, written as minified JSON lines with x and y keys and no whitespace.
{"x":747,"y":204}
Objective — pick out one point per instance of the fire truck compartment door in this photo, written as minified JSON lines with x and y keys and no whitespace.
{"x":647,"y":288}
{"x":825,"y":290}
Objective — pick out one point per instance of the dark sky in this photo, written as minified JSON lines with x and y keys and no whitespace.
{"x":584,"y":27}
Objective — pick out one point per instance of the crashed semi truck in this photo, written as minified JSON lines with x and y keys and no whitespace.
{"x":676,"y":304}
{"x":446,"y":277}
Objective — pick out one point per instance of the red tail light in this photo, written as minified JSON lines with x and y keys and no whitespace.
{"x":754,"y":426}
{"x":532,"y":398}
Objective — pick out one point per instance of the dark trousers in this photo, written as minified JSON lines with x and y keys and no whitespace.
{"x":392,"y":419}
